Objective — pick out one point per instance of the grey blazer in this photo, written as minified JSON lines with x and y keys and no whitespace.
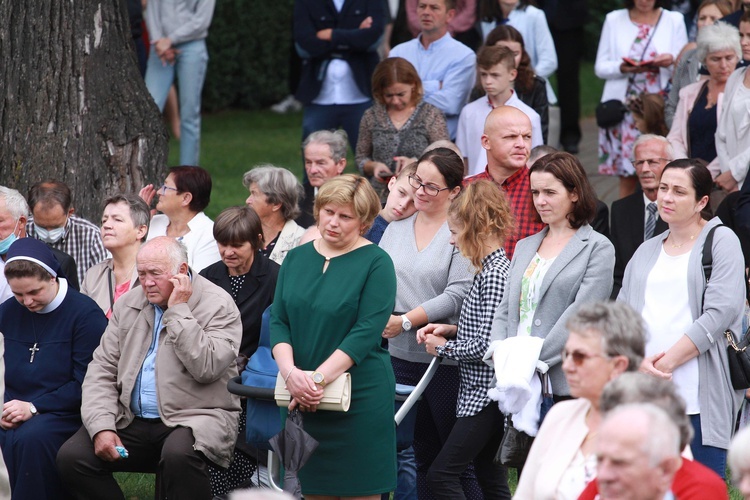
{"x":581,"y":273}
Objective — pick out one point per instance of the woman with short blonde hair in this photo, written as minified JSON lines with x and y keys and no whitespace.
{"x":333,"y":298}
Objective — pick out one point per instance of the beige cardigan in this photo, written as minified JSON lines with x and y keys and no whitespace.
{"x":559,"y":438}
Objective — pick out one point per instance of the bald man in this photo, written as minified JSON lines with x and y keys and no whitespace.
{"x":507,"y":140}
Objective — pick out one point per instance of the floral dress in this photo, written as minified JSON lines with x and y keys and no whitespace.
{"x":616,"y":143}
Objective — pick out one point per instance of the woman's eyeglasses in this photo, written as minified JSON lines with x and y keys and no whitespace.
{"x":579,"y":357}
{"x":163,"y":189}
{"x":430,"y":190}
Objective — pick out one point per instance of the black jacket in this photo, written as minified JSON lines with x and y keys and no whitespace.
{"x":253,"y":298}
{"x":356,"y":46}
{"x":627,"y":228}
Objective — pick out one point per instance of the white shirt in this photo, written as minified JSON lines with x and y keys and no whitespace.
{"x":666,"y":312}
{"x":200,"y":243}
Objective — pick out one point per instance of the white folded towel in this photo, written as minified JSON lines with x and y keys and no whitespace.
{"x":518,"y":390}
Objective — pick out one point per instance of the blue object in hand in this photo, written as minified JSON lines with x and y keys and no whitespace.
{"x":122,"y":451}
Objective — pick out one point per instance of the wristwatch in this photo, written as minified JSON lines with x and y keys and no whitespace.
{"x":405,"y":323}
{"x":319,"y":379}
{"x":32,"y":410}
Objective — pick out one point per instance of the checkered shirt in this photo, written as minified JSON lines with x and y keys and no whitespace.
{"x":82,"y":241}
{"x":473,"y":336}
{"x":518,"y":191}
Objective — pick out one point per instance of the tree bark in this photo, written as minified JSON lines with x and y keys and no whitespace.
{"x":73,"y":105}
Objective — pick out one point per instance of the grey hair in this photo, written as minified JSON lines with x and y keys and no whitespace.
{"x":739,"y":453}
{"x":637,"y":387}
{"x":176,"y":251}
{"x":279,"y":185}
{"x":669,"y":150}
{"x":15,"y":203}
{"x":140,"y":214}
{"x":662,"y":436}
{"x":620,"y":328}
{"x":337,"y":140}
{"x":716,"y":37}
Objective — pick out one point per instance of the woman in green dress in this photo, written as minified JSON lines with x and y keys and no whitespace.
{"x":333,"y":299}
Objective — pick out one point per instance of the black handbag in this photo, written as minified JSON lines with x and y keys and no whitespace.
{"x":610,"y":113}
{"x":738,"y":356}
{"x":739,"y":361}
{"x":514,"y":447}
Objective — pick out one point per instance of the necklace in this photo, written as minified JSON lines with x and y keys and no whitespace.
{"x":34,"y":349}
{"x":674,"y":245}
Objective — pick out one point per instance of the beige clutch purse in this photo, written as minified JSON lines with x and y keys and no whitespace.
{"x":337,"y":395}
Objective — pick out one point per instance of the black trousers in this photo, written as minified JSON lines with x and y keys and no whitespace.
{"x":474,"y":440}
{"x":569,"y":48}
{"x":181,"y":472}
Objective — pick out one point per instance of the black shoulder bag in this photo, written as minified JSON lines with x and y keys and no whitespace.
{"x":737,"y":354}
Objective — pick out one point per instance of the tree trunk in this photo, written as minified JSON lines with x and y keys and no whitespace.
{"x":73,"y":105}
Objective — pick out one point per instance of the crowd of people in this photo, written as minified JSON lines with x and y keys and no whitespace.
{"x":592,"y":347}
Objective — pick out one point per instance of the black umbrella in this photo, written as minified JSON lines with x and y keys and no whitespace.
{"x":293,"y":446}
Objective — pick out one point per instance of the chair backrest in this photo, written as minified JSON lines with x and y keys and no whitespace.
{"x":263,"y":417}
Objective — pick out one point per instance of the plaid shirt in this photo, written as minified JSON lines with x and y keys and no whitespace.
{"x":473,"y":336}
{"x":82,"y":241}
{"x":518,"y":191}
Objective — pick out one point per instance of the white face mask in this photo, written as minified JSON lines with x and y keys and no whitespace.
{"x":50,"y":235}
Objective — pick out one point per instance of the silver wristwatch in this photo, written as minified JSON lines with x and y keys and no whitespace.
{"x":32,"y":410}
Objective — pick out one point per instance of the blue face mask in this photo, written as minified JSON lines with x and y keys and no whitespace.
{"x":50,"y":235}
{"x":8,"y":240}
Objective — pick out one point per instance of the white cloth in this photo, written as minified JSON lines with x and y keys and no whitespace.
{"x":518,"y":390}
{"x":471,"y":127}
{"x":666,"y":312}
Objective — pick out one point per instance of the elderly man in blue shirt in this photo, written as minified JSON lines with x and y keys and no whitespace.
{"x":154,"y":396}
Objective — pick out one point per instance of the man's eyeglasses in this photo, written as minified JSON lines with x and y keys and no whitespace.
{"x":579,"y":357}
{"x":430,"y":190}
{"x":164,"y":187}
{"x":650,"y":161}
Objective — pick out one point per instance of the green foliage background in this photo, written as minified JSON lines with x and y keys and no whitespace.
{"x":248,"y":47}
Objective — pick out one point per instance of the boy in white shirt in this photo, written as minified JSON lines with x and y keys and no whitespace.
{"x":497,"y":73}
